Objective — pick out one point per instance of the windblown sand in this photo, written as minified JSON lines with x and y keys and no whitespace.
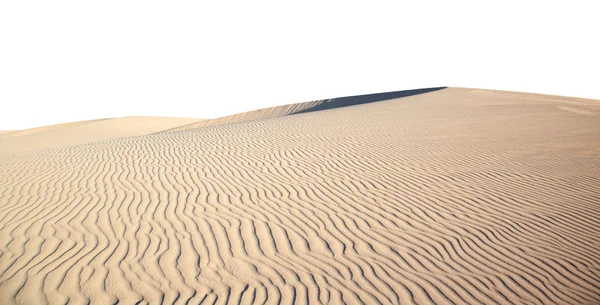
{"x":456,"y":196}
{"x":69,"y":134}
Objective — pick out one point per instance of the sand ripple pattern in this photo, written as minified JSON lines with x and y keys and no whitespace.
{"x":450,"y":197}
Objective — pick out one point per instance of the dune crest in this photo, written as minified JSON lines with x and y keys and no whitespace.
{"x":297,"y":108}
{"x":457,"y":196}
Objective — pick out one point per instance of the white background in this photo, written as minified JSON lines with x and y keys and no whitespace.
{"x":75,"y":60}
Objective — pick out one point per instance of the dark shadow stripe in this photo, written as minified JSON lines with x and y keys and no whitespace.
{"x":367,"y":98}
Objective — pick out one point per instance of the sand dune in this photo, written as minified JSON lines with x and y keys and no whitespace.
{"x":280,"y":111}
{"x":456,"y":196}
{"x":85,"y":132}
{"x":15,"y":133}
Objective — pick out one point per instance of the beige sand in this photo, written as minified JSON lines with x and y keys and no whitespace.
{"x":47,"y":128}
{"x":68,"y":134}
{"x":457,"y":196}
{"x":260,"y":114}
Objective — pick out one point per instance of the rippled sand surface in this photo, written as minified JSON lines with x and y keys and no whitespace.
{"x":456,"y":196}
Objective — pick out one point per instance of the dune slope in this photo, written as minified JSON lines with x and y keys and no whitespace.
{"x":85,"y":132}
{"x":456,"y":196}
{"x":47,"y":128}
{"x":280,"y":111}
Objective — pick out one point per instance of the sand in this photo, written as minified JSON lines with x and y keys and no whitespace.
{"x":68,"y":134}
{"x":291,"y":109}
{"x":456,"y":196}
{"x":29,"y":131}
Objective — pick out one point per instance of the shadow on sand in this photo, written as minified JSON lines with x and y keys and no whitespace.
{"x":367,"y":98}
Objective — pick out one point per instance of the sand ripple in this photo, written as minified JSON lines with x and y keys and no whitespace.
{"x":450,"y":197}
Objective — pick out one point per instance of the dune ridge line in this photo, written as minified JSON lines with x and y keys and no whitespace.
{"x":297,"y":108}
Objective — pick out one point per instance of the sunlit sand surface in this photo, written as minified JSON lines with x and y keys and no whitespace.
{"x":454,"y":196}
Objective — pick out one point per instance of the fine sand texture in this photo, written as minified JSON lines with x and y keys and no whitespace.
{"x":455,"y":196}
{"x":29,"y":131}
{"x":68,"y":134}
{"x":280,"y":111}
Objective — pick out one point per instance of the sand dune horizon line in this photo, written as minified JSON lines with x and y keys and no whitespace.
{"x":304,"y":107}
{"x":375,"y":96}
{"x":316,"y":104}
{"x":81,"y":132}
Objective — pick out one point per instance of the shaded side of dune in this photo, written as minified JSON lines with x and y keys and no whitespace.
{"x":366,"y":98}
